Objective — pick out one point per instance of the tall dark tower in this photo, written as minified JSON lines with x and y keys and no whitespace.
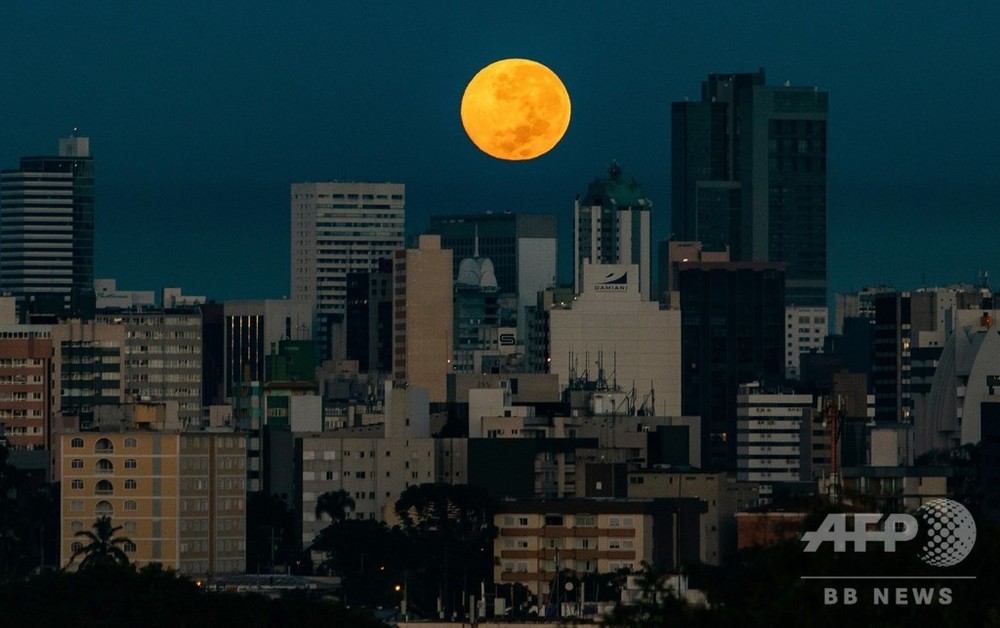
{"x":749,"y":171}
{"x":47,"y":231}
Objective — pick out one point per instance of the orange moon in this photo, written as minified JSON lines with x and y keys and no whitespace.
{"x":515,"y":109}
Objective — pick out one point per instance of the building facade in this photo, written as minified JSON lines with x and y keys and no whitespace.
{"x":733,"y":316}
{"x":423,"y":316}
{"x":179,"y":496}
{"x":611,"y":226}
{"x":749,"y":172}
{"x":47,"y":230}
{"x":339,"y":228}
{"x":25,"y":385}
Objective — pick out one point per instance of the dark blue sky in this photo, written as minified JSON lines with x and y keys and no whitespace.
{"x":201,"y":114}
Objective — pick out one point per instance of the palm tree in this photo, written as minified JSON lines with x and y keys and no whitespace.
{"x":103,"y":549}
{"x":335,"y":504}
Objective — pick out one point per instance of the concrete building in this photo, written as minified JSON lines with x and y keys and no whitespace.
{"x":723,"y":497}
{"x":374,"y":462}
{"x":611,"y":226}
{"x":162,"y":356}
{"x":180,"y":496}
{"x":537,"y":539}
{"x":749,"y":172}
{"x":423,"y":319}
{"x":769,"y":427}
{"x":26,"y":385}
{"x":339,"y":228}
{"x":637,"y":343}
{"x":88,"y":368}
{"x":805,"y":332}
{"x":521,"y":247}
{"x":47,"y":227}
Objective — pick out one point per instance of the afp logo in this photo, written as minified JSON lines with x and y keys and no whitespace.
{"x":946,"y":529}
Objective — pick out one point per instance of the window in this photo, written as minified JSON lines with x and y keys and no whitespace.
{"x":76,"y":546}
{"x":131,"y":443}
{"x":131,"y":506}
{"x":104,"y":488}
{"x":553,"y":520}
{"x":129,"y":546}
{"x":77,"y":485}
{"x":130,"y":463}
{"x":130,"y":526}
{"x":77,"y":463}
{"x":131,"y":485}
{"x":76,"y":443}
{"x":103,"y":445}
{"x":76,"y":526}
{"x":76,"y":505}
{"x":104,"y":509}
{"x":105,"y":466}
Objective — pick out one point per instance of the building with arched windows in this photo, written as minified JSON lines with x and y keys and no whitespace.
{"x":179,"y":497}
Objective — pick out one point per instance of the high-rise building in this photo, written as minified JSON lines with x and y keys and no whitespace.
{"x":749,"y":172}
{"x":521,"y":247}
{"x":423,"y":323}
{"x":340,"y":228}
{"x":47,"y":231}
{"x":732,"y":323}
{"x":611,"y":226}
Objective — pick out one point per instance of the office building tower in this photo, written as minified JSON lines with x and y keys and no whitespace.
{"x":47,"y":231}
{"x":611,"y":226}
{"x":749,"y":172}
{"x":770,"y":422}
{"x":733,"y":316}
{"x":423,"y":322}
{"x":522,"y":248}
{"x":340,"y":228}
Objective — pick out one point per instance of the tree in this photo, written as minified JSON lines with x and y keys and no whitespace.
{"x":103,"y":549}
{"x":334,"y":504}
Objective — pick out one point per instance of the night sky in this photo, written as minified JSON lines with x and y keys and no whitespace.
{"x":201,"y":114}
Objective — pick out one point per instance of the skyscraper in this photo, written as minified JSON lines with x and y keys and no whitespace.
{"x":340,"y":228}
{"x":749,"y":171}
{"x":47,"y":231}
{"x":611,"y":226}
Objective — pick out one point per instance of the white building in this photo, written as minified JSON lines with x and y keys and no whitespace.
{"x":638,"y":344}
{"x":769,"y":428}
{"x":805,"y":331}
{"x":339,"y":228}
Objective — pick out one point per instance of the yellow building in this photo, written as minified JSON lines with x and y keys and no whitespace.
{"x":179,"y":496}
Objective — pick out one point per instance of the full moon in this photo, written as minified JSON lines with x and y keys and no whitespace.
{"x":515,"y":109}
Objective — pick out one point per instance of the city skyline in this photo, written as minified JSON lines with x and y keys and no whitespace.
{"x":197,"y":138}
